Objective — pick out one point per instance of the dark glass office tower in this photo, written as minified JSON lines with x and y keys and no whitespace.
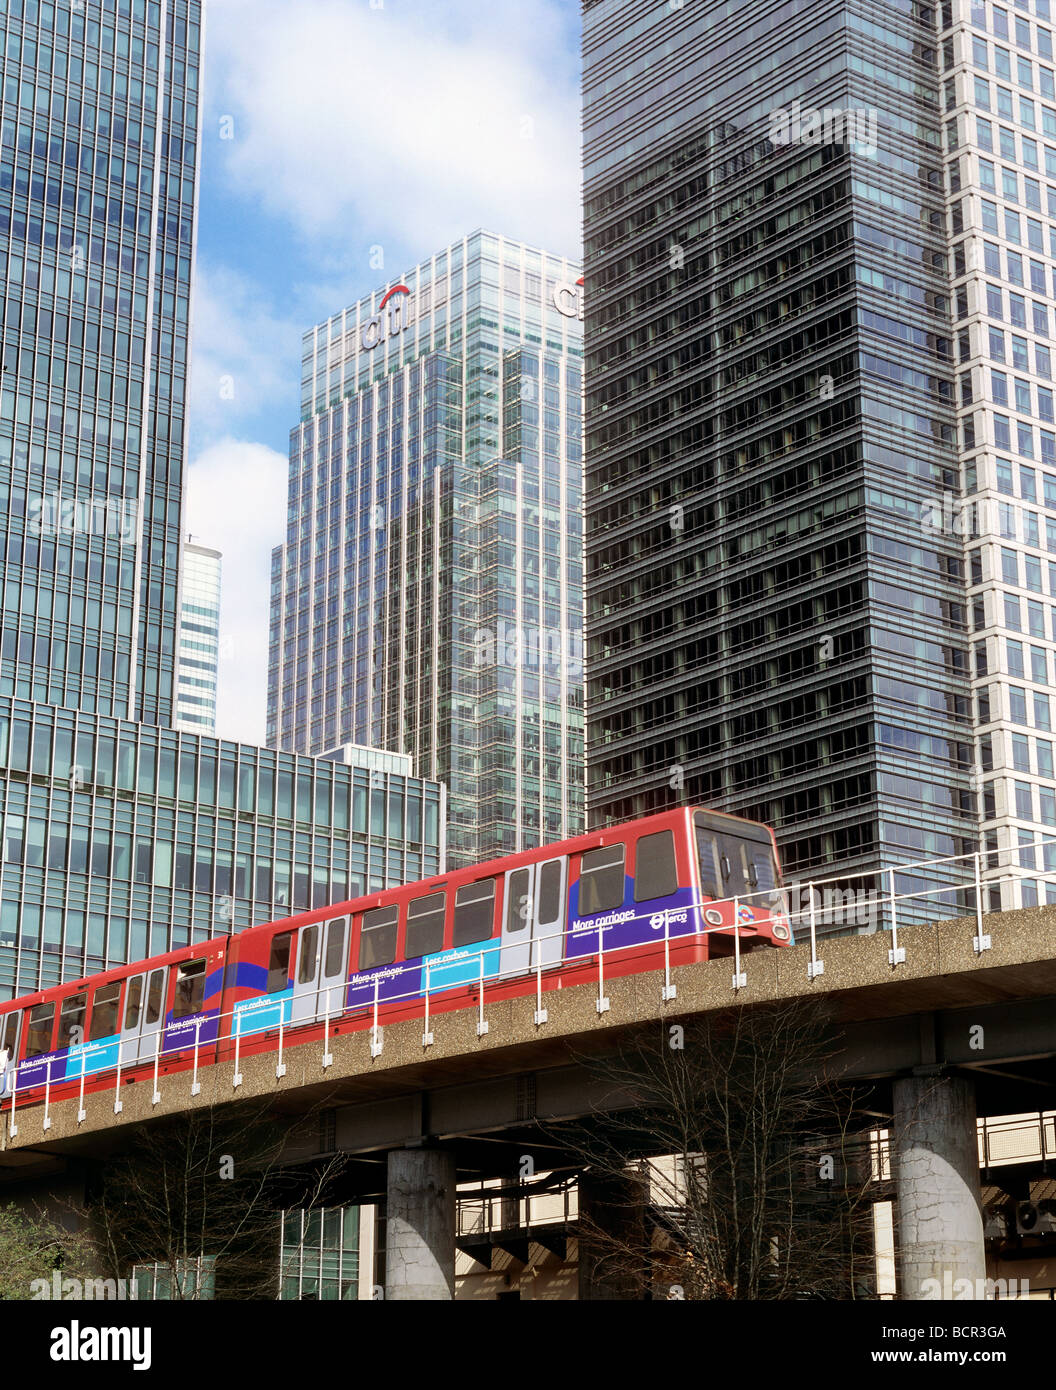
{"x":776,"y":622}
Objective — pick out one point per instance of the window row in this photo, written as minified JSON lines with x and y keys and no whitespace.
{"x":1022,"y":396}
{"x":1020,"y":230}
{"x":1020,"y":314}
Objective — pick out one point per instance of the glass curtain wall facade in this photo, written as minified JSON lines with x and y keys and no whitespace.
{"x":999,"y":96}
{"x":197,"y":670}
{"x":121,"y":840}
{"x":428,"y":598}
{"x":774,"y":628}
{"x":320,"y":1258}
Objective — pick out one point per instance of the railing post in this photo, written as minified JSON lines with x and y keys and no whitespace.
{"x":669,"y":990}
{"x":196,"y":1085}
{"x":328,"y":1056}
{"x":980,"y":941}
{"x":482,"y":1026}
{"x":280,"y":1065}
{"x":897,"y":954}
{"x":236,"y":1019}
{"x":118,"y":1102}
{"x":376,"y":1043}
{"x":740,"y":979}
{"x":13,"y":1127}
{"x":541,"y":1014}
{"x":82,"y":1114}
{"x":603,"y":1001}
{"x":156,"y":1097}
{"x":815,"y":967}
{"x":427,"y":1036}
{"x":47,"y":1096}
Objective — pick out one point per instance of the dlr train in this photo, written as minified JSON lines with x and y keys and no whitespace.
{"x":665,"y":888}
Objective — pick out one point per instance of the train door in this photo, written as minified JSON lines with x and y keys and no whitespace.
{"x":322,"y":964}
{"x":534,"y":917}
{"x":10,"y":1026}
{"x":141,"y":1021}
{"x":548,"y":926}
{"x":515,"y":956}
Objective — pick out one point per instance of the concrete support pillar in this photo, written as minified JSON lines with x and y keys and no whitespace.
{"x":935,"y":1158}
{"x":420,"y":1231}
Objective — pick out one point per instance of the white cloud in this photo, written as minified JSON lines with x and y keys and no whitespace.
{"x":244,"y":356}
{"x":237,"y":504}
{"x":409,"y":123}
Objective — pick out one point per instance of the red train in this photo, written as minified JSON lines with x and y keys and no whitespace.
{"x":667,"y":887}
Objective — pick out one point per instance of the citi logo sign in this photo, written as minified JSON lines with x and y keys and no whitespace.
{"x":393,"y":316}
{"x":568,"y":299}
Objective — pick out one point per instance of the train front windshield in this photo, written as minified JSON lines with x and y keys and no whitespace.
{"x":737,"y":860}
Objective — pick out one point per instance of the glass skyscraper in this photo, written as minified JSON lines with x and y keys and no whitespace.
{"x":98,"y":169}
{"x":119,"y":834}
{"x":777,"y":617}
{"x":428,"y":598}
{"x":197,"y":667}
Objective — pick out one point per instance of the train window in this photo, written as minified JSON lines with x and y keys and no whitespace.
{"x":655,"y":875}
{"x":519,"y":902}
{"x":38,"y":1036}
{"x":308,"y":960}
{"x":710,"y":872}
{"x":377,"y":940}
{"x":9,"y":1034}
{"x":425,"y":925}
{"x":550,"y":904}
{"x":474,"y":912}
{"x":104,"y":1011}
{"x":190,"y":988}
{"x":71,"y":1020}
{"x":133,"y":1002}
{"x":334,"y":955}
{"x":601,"y":880}
{"x":155,"y":992}
{"x":279,"y":962}
{"x":760,"y":867}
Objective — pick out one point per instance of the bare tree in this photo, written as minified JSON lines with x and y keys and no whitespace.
{"x":725,"y":1164}
{"x":201,"y":1197}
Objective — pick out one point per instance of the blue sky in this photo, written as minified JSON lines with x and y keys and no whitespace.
{"x":332,"y":127}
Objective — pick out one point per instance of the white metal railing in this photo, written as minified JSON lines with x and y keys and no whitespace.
{"x":803,"y":919}
{"x":1017,"y":1139}
{"x":485,"y":1213}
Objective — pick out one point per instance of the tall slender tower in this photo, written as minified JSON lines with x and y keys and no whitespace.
{"x":197,"y":669}
{"x":428,"y":599}
{"x":999,"y":101}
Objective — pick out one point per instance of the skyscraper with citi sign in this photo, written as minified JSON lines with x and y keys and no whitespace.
{"x":428,"y":597}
